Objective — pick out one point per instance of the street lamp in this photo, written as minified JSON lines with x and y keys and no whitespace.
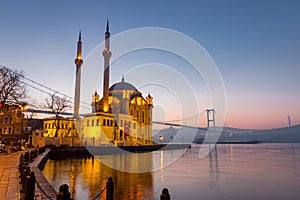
{"x":161,"y":138}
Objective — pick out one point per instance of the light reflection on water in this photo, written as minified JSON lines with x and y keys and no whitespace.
{"x":251,"y":171}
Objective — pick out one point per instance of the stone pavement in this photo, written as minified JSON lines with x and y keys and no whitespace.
{"x":9,"y":176}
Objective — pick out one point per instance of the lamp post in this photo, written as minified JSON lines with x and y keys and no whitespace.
{"x":23,"y":108}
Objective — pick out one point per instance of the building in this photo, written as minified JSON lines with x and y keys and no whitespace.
{"x":12,"y":122}
{"x":122,"y":116}
{"x":63,"y":126}
{"x":59,"y":131}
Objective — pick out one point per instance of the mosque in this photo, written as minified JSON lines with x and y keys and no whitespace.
{"x":122,"y":117}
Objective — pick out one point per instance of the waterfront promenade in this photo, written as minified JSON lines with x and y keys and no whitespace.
{"x":9,"y":176}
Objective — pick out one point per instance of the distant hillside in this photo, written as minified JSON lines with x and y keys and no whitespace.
{"x":230,"y":134}
{"x":287,"y":134}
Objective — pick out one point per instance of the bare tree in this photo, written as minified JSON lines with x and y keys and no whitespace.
{"x":12,"y":87}
{"x":57,"y":105}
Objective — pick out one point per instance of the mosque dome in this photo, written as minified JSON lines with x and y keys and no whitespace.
{"x":122,"y":86}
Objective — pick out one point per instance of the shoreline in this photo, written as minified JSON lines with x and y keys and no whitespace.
{"x":43,"y":188}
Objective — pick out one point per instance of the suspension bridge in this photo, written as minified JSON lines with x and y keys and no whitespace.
{"x":188,"y":122}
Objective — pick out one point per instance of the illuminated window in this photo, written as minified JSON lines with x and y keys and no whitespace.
{"x":121,"y":134}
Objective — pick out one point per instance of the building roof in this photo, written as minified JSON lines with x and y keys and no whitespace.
{"x":122,"y":86}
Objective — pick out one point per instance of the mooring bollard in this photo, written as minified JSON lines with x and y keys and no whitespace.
{"x":63,"y":193}
{"x":165,"y":194}
{"x":27,"y":156}
{"x":30,"y":186}
{"x":24,"y":174}
{"x":110,"y":189}
{"x":20,"y":162}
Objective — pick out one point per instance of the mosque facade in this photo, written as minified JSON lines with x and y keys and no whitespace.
{"x":122,"y":117}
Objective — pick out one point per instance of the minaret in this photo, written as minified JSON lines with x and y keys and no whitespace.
{"x":106,"y":55}
{"x":78,"y":62}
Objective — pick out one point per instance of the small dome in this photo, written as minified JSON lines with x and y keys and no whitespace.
{"x":122,"y":86}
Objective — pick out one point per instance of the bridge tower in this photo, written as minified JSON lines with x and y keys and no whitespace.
{"x":78,"y":62}
{"x":211,"y":117}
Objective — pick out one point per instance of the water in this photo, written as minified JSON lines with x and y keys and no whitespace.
{"x":245,"y":171}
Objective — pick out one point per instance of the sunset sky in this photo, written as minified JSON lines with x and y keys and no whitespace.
{"x":255,"y":45}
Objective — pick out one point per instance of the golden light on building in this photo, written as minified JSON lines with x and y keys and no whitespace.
{"x":122,"y":116}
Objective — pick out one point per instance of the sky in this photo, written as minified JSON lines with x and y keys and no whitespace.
{"x":254,"y":44}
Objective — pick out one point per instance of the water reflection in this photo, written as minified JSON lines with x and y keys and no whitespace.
{"x":128,"y":162}
{"x":213,"y":163}
{"x":87,"y":177}
{"x":258,"y":171}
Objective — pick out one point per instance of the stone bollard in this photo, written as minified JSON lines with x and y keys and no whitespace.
{"x":63,"y":193}
{"x":27,"y":157}
{"x":23,"y":178}
{"x":30,"y":186}
{"x":25,"y":170}
{"x":110,"y":189}
{"x":20,"y":162}
{"x":165,"y":194}
{"x":22,"y":167}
